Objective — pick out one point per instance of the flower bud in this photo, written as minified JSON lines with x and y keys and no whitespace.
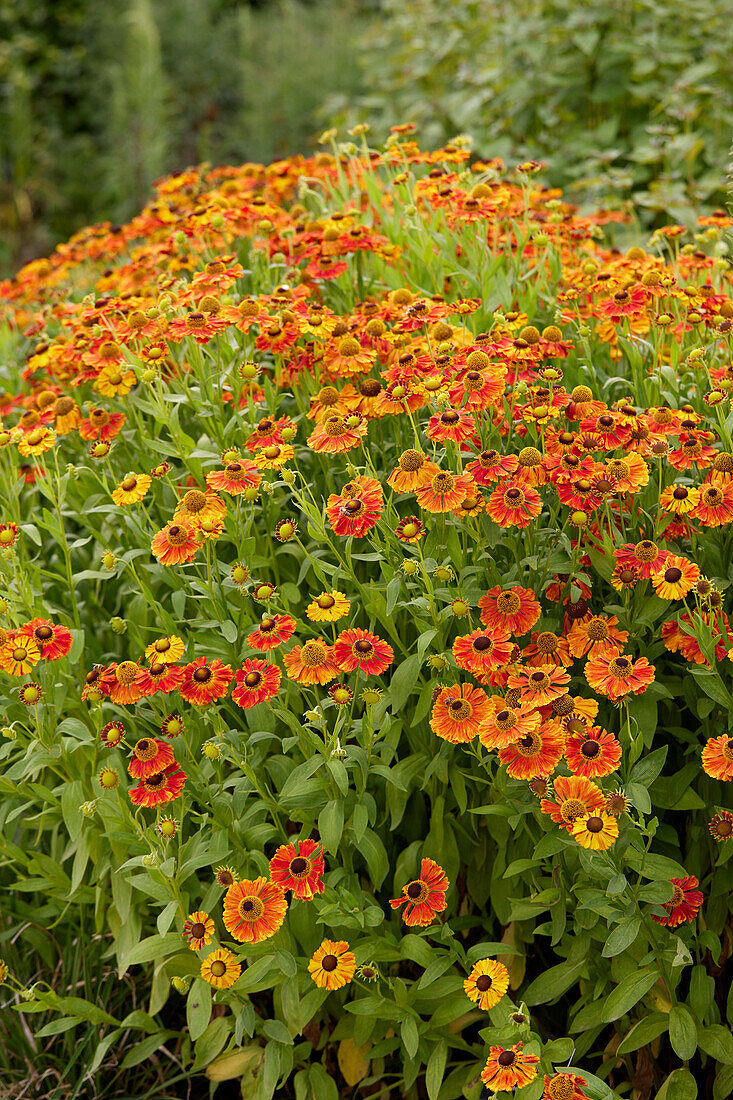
{"x":118,"y":625}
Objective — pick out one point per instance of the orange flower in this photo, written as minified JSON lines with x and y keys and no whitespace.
{"x":574,"y":797}
{"x":513,"y":609}
{"x":443,"y":492}
{"x":203,"y":683}
{"x":509,"y":1069}
{"x":536,"y":754}
{"x":157,"y":789}
{"x":424,"y":897}
{"x":514,"y":505}
{"x":506,"y":725}
{"x":335,"y":434}
{"x":595,"y":635}
{"x":175,"y":544}
{"x":332,"y":965}
{"x":149,"y":756}
{"x":539,"y":685}
{"x":589,"y":750}
{"x":458,"y":713}
{"x":615,"y":675}
{"x":675,"y":579}
{"x":717,"y":757}
{"x":311,"y":663}
{"x":19,"y":654}
{"x":482,"y":651}
{"x":299,"y":867}
{"x":256,"y":682}
{"x":684,"y":903}
{"x":254,"y":910}
{"x":413,"y":471}
{"x":359,"y":649}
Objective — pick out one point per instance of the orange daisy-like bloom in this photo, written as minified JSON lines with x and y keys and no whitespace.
{"x":220,"y":968}
{"x":132,"y":489}
{"x":684,"y":903}
{"x":203,"y":683}
{"x":198,"y":930}
{"x":715,"y":508}
{"x":162,"y":787}
{"x":680,"y":500}
{"x":596,"y":831}
{"x":19,"y":654}
{"x":299,"y":867}
{"x":505,"y":725}
{"x":454,"y":425}
{"x":175,"y":544}
{"x":274,"y":456}
{"x":514,"y":610}
{"x":125,"y":682}
{"x":492,"y":466}
{"x":459,"y":712}
{"x":53,"y":641}
{"x":329,"y":607}
{"x":256,"y":682}
{"x":37,"y":442}
{"x":487,"y":983}
{"x":165,"y":651}
{"x":199,"y":507}
{"x":547,"y":648}
{"x":535,"y":755}
{"x":332,"y":965}
{"x":444,"y":491}
{"x":254,"y":910}
{"x":335,"y":434}
{"x":413,"y":471}
{"x":717,"y":757}
{"x":160,"y":677}
{"x":514,"y":505}
{"x":676,"y":577}
{"x":424,"y":897}
{"x":539,"y":685}
{"x":235,"y":478}
{"x":273,"y":631}
{"x":356,"y":509}
{"x":590,"y":751}
{"x":101,"y":425}
{"x":149,"y":756}
{"x":311,"y":663}
{"x":595,"y":635}
{"x":509,"y":1069}
{"x":574,"y":797}
{"x":358,"y":648}
{"x":614,"y":675}
{"x":482,"y":651}
{"x":564,"y":1086}
{"x":645,"y":557}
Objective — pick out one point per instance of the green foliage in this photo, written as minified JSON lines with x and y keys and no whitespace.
{"x":627,"y":96}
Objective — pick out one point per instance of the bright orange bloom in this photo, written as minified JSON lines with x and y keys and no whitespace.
{"x":509,"y":1069}
{"x":506,"y":725}
{"x":487,"y":983}
{"x":203,"y":683}
{"x":235,"y":478}
{"x":274,"y":630}
{"x":513,"y":609}
{"x":175,"y":544}
{"x":540,"y":684}
{"x":675,"y":579}
{"x":311,"y":663}
{"x":149,"y":756}
{"x":590,"y":751}
{"x":424,"y":897}
{"x":564,"y":1086}
{"x":684,"y":903}
{"x":157,"y":789}
{"x":332,"y":965}
{"x":256,"y":682}
{"x":335,"y":435}
{"x":514,"y":505}
{"x":443,"y":492}
{"x":360,"y":649}
{"x":482,"y":651}
{"x":458,"y":713}
{"x":574,"y":797}
{"x":615,"y":675}
{"x":536,"y":754}
{"x":54,"y":641}
{"x":717,"y":757}
{"x":299,"y":867}
{"x":413,"y":471}
{"x":595,"y":635}
{"x":254,"y":910}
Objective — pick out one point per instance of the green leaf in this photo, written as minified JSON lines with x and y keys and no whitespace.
{"x":330,"y":825}
{"x":680,"y":1085}
{"x":198,"y":1007}
{"x":716,"y":1041}
{"x":410,"y":1037}
{"x":404,"y":682}
{"x":622,"y":936}
{"x":628,"y":993}
{"x":436,"y":1069}
{"x":553,"y":983}
{"x":644,"y":1032}
{"x":682,"y":1032}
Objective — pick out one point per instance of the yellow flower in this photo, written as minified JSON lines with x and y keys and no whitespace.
{"x":596,"y":831}
{"x":329,"y":607}
{"x":132,"y":489}
{"x":220,"y":968}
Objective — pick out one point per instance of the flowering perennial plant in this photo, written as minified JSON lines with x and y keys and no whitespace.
{"x":365,"y":546}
